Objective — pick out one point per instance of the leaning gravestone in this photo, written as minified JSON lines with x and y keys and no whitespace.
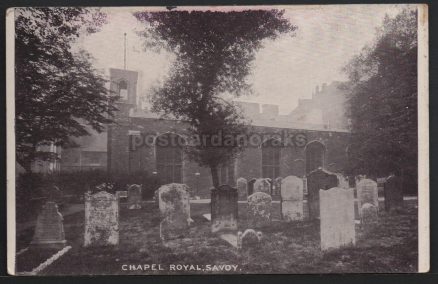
{"x":259,"y":209}
{"x":251,"y":186}
{"x":292,"y":198}
{"x":316,"y":180}
{"x":249,"y":239}
{"x":242,"y":188}
{"x":174,"y":201}
{"x":366,"y":193}
{"x":134,"y":197}
{"x":262,"y":185}
{"x":337,"y":218}
{"x":49,"y":230}
{"x":393,"y":193}
{"x":101,"y":219}
{"x":224,"y":209}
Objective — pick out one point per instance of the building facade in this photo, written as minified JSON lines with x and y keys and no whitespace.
{"x":133,"y":144}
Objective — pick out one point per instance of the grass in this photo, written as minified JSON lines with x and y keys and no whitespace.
{"x":388,"y":246}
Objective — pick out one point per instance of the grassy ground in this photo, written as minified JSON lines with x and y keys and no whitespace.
{"x":389,"y":246}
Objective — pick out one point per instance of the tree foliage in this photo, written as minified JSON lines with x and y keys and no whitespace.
{"x":214,"y":51}
{"x":383,"y":100}
{"x":56,"y":89}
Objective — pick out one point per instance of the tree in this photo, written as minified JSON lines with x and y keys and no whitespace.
{"x":214,"y":51}
{"x":383,"y":100}
{"x":57,"y":90}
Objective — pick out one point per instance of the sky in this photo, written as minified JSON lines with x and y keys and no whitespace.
{"x":284,"y":70}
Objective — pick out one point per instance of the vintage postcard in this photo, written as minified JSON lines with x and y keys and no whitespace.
{"x":218,"y":140}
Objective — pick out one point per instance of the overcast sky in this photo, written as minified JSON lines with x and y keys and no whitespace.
{"x":284,"y":70}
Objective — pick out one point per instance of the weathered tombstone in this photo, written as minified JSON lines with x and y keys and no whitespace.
{"x":292,"y":198}
{"x":134,"y":197}
{"x":337,"y":218}
{"x":249,"y":239}
{"x":262,"y":185}
{"x":101,"y":219}
{"x":276,"y":189}
{"x":366,"y":193}
{"x":174,"y":201}
{"x":259,"y":209}
{"x":251,"y":186}
{"x":368,"y":213}
{"x":121,"y":194}
{"x":242,"y":188}
{"x":316,"y":180}
{"x":49,"y":229}
{"x":393,"y":193}
{"x":224,"y":206}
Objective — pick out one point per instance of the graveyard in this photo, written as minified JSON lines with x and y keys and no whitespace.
{"x":176,"y":234}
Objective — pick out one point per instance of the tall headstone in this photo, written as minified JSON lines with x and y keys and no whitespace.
{"x":337,"y":218}
{"x":316,"y":180}
{"x":134,"y":197}
{"x":101,"y":219}
{"x":224,"y":206}
{"x":393,"y":193}
{"x":262,"y":185}
{"x":292,"y":198}
{"x":242,"y":188}
{"x":251,"y":186}
{"x":367,"y":193}
{"x":174,"y":205}
{"x":49,"y":229}
{"x":259,"y":209}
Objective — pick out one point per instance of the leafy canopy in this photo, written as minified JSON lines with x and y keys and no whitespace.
{"x":214,"y":51}
{"x":57,"y":90}
{"x":383,"y":100}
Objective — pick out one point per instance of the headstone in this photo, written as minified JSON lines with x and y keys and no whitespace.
{"x":134,"y":197}
{"x":276,"y":189}
{"x":242,"y":188}
{"x":250,"y":239}
{"x":121,"y":194}
{"x":224,"y":206}
{"x":367,"y":193}
{"x":368,"y":213}
{"x":337,"y":218}
{"x":174,"y":201}
{"x":251,"y":186}
{"x":259,"y":209}
{"x":262,"y":185}
{"x":292,"y":199}
{"x":101,"y":219}
{"x":393,"y":194}
{"x":316,"y":180}
{"x":49,"y":229}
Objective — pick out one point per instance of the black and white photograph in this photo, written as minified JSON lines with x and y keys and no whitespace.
{"x":217,"y":140}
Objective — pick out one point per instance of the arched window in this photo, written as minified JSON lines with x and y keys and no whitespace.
{"x":314,"y":156}
{"x":271,"y":159}
{"x":123,"y":90}
{"x":169,"y":158}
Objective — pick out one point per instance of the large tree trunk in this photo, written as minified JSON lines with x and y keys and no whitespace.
{"x":214,"y":176}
